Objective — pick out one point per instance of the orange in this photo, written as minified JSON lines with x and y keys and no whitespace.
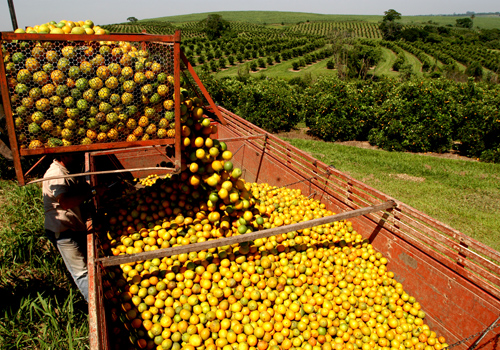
{"x":193,"y":167}
{"x":227,"y":155}
{"x":194,"y":180}
{"x":185,"y":131}
{"x":227,"y":185}
{"x":223,"y":193}
{"x":213,"y":151}
{"x":197,"y":113}
{"x":200,"y":153}
{"x":199,"y":142}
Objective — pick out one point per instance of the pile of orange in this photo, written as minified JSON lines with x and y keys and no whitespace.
{"x":82,"y":93}
{"x":64,"y":27}
{"x":319,"y":288}
{"x":273,"y":293}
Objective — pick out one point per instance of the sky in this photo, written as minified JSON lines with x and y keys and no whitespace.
{"x":33,"y":12}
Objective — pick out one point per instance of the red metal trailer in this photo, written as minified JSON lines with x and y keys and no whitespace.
{"x":454,"y":277}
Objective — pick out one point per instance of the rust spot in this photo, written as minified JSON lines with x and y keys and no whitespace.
{"x":400,"y":279}
{"x":408,"y":260}
{"x":389,"y":248}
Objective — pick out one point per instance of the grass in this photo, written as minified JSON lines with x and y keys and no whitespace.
{"x":463,"y":194}
{"x":276,"y":18}
{"x":415,"y":63}
{"x":269,"y":17}
{"x":45,"y":309}
{"x":283,"y":70}
{"x":384,"y":67}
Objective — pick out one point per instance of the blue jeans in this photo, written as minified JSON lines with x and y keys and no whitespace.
{"x":73,"y":248}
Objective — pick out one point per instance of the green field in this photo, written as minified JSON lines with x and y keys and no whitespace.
{"x":261,"y":29}
{"x":463,"y":194}
{"x":268,"y":17}
{"x":386,"y":62}
{"x":283,"y":70}
{"x":272,"y":18}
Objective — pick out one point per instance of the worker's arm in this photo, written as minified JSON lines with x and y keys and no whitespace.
{"x":68,"y":201}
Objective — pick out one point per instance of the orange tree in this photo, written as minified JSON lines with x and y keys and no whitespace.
{"x":417,"y":116}
{"x":336,"y":109}
{"x":271,"y":104}
{"x":478,"y":127}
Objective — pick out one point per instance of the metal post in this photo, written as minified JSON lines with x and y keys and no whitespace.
{"x":12,"y":14}
{"x":476,"y":343}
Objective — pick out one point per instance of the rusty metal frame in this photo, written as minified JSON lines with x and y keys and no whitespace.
{"x":98,"y":327}
{"x":17,"y":152}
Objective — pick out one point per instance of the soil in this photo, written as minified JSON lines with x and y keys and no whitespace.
{"x":302,"y":133}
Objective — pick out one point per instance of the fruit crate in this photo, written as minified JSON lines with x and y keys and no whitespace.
{"x":455,"y":278}
{"x":90,"y":92}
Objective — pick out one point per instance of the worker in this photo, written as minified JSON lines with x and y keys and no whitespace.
{"x":65,"y":219}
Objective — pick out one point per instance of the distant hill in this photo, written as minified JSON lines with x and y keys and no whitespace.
{"x":273,"y":18}
{"x":267,"y":17}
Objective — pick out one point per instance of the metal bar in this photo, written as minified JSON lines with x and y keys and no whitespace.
{"x":420,"y":243}
{"x":476,"y":343}
{"x":93,"y":301}
{"x":34,"y":166}
{"x":4,"y":91}
{"x":86,"y":38}
{"x":448,"y":242}
{"x":122,"y":150}
{"x":12,"y":14}
{"x":160,"y":253}
{"x":471,"y":243}
{"x":94,"y":328}
{"x":95,"y":146}
{"x":114,"y":161}
{"x":242,"y":138}
{"x":265,"y":145}
{"x":236,"y":152}
{"x":161,"y":153}
{"x":101,"y":172}
{"x":203,"y":90}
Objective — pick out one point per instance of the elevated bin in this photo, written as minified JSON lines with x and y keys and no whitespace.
{"x":77,"y":93}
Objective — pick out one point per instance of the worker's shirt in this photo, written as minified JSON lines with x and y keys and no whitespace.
{"x":58,"y":219}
